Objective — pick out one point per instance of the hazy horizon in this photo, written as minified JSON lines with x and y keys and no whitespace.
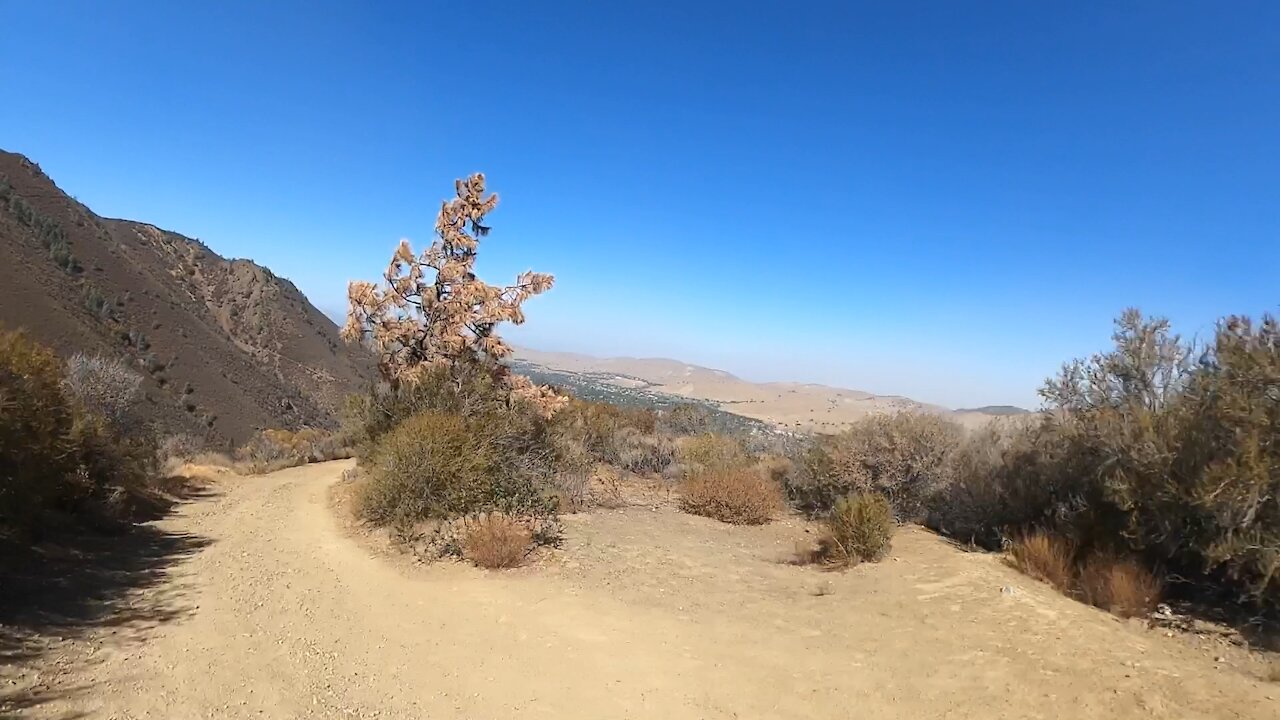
{"x":943,"y":203}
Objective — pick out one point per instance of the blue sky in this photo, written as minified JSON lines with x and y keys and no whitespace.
{"x":940,"y":200}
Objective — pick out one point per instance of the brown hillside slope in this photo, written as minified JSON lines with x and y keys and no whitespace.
{"x":226,"y":346}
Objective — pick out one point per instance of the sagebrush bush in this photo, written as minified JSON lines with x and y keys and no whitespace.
{"x":738,"y":495}
{"x":711,"y":451}
{"x":1157,"y":449}
{"x":859,"y":529}
{"x":105,"y":386}
{"x":904,"y":456}
{"x":496,"y":540}
{"x":641,"y":453}
{"x":431,"y":466}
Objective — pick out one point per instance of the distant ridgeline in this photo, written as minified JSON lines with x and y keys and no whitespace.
{"x":600,"y":388}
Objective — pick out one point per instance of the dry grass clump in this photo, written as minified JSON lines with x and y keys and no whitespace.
{"x":735,"y":495}
{"x":496,"y":540}
{"x":859,"y":529}
{"x":1044,"y":557}
{"x":1119,"y":586}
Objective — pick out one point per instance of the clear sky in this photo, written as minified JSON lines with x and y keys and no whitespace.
{"x":942,"y":200}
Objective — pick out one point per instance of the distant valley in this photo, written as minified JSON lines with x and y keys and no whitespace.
{"x":793,"y":406}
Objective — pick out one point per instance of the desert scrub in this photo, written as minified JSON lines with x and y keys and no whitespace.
{"x":904,"y":456}
{"x":859,"y":529}
{"x":496,"y":540}
{"x":711,"y":451}
{"x":57,"y":452}
{"x":735,"y":495}
{"x":431,"y":466}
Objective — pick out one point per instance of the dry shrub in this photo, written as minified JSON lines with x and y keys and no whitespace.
{"x":711,"y":451}
{"x":859,"y":529}
{"x":903,"y":456}
{"x":637,"y":452}
{"x":736,"y":495}
{"x":1120,"y":586}
{"x":58,"y":452}
{"x":571,"y":489}
{"x":1045,"y":557}
{"x":273,"y":450}
{"x":496,"y":540}
{"x":431,"y":466}
{"x":606,"y":489}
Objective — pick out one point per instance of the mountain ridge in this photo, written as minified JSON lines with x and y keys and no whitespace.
{"x":226,"y":347}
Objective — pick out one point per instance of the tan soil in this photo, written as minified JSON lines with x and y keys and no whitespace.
{"x":645,"y":613}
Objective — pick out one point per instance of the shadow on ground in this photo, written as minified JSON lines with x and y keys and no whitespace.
{"x":79,"y":582}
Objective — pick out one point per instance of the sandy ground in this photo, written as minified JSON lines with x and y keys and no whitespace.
{"x":276,"y":611}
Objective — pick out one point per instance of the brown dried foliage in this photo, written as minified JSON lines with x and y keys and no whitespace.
{"x":1044,"y":557}
{"x":1120,"y":586}
{"x":431,"y":309}
{"x":735,"y":495}
{"x":496,"y":540}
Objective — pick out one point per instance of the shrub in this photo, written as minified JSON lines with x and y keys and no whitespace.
{"x":711,"y":451}
{"x":441,"y":466}
{"x":495,"y":540}
{"x":904,"y":456}
{"x":1146,"y":452}
{"x":1045,"y":557}
{"x":737,"y":495}
{"x":637,"y":452}
{"x":431,"y":466}
{"x":273,"y":450}
{"x":37,"y":448}
{"x":105,"y":386}
{"x":1120,"y":586}
{"x":56,"y":452}
{"x":859,"y":529}
{"x":688,"y":419}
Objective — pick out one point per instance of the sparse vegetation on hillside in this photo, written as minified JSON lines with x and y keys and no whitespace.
{"x":67,"y":441}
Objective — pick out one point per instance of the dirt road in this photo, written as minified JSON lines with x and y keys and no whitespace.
{"x":645,"y":614}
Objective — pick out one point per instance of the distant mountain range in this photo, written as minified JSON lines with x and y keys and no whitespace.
{"x":789,"y":405}
{"x":226,"y":347}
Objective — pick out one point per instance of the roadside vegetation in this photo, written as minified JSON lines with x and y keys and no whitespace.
{"x":73,"y":446}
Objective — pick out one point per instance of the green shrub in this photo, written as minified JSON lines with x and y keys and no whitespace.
{"x":904,"y":456}
{"x":859,"y":529}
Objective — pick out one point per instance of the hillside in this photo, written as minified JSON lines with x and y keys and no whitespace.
{"x":226,"y":346}
{"x":789,"y":405}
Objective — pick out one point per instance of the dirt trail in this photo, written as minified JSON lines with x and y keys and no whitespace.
{"x":645,"y":614}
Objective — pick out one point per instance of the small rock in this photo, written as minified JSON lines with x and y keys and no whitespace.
{"x":1008,"y":590}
